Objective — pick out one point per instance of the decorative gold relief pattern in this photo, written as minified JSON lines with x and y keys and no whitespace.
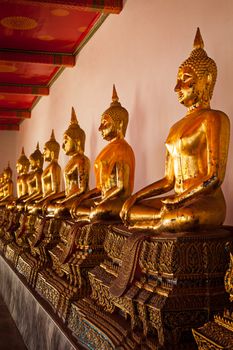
{"x":218,"y":334}
{"x":86,"y":332}
{"x":24,"y":268}
{"x":51,"y":294}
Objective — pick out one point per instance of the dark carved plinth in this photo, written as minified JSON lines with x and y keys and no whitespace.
{"x":19,"y":244}
{"x":36,"y":258}
{"x":7,"y":230}
{"x":162,"y":285}
{"x":218,"y":334}
{"x":78,"y":251}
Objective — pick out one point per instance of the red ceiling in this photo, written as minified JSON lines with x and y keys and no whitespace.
{"x":37,"y":39}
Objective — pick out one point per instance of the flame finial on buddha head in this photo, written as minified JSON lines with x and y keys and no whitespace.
{"x":118,"y":113}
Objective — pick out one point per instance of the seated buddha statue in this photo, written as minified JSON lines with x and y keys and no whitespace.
{"x":76,"y":172}
{"x":34,"y":191}
{"x":22,"y":167}
{"x":50,"y":178}
{"x":114,"y":170}
{"x":7,"y":186}
{"x":196,"y":157}
{"x":36,"y":161}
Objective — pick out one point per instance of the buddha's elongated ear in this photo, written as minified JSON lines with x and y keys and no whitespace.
{"x":209,"y":79}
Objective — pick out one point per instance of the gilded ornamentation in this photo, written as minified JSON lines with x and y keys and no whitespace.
{"x":76,"y":172}
{"x":199,"y":139}
{"x":50,"y":178}
{"x":229,"y":279}
{"x":114,"y":170}
{"x":218,"y":334}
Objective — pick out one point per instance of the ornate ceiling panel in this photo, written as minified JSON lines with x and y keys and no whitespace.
{"x":38,"y":39}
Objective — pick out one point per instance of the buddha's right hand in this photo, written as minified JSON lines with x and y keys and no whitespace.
{"x":124,"y":214}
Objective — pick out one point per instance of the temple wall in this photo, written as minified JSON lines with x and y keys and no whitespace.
{"x":140,"y":51}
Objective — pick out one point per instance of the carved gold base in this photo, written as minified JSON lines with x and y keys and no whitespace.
{"x":97,"y":329}
{"x":37,"y":258}
{"x":3,"y":244}
{"x":176,"y":283}
{"x":8,"y":228}
{"x":28,"y":266}
{"x":57,"y":292}
{"x":67,"y":280}
{"x":112,"y":332}
{"x":13,"y":252}
{"x":44,"y":237}
{"x":217,"y":334}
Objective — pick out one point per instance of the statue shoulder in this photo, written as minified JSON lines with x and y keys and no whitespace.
{"x":214,"y":115}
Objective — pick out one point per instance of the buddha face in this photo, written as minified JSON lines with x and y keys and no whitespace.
{"x":33,"y":163}
{"x":6,"y":175}
{"x":69,"y":145}
{"x":107,"y":127}
{"x":19,"y":168}
{"x":189,"y":87}
{"x":47,"y":154}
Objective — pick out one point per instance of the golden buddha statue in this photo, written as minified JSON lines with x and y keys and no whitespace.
{"x":7,"y":186}
{"x":197,"y":148}
{"x":36,"y":161}
{"x":76,"y":172}
{"x":50,"y":178}
{"x":114,"y":170}
{"x":22,"y":167}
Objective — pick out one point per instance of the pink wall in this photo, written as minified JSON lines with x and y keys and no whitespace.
{"x":140,"y":51}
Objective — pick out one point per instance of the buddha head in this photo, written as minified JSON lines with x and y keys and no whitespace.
{"x":36,"y":159}
{"x":51,"y":149}
{"x":74,"y":137}
{"x":196,"y":77}
{"x":114,"y":120}
{"x":7,"y":173}
{"x":22,"y":165}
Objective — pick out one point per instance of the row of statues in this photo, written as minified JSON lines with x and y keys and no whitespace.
{"x":104,"y":257}
{"x":196,"y":157}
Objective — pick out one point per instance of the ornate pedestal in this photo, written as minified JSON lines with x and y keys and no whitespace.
{"x":7,"y":230}
{"x":44,"y":237}
{"x":218,"y":334}
{"x":156,"y":292}
{"x":20,"y":245}
{"x":79,"y":250}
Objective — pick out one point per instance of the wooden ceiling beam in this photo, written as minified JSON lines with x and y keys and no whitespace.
{"x":36,"y":90}
{"x":15,"y":113}
{"x":12,"y":127}
{"x":105,"y":6}
{"x":55,"y":59}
